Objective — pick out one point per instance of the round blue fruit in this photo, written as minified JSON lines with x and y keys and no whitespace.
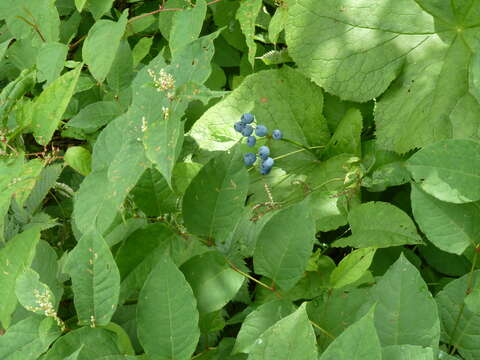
{"x":239,"y":126}
{"x":247,"y":118}
{"x":249,"y":159}
{"x":247,"y":130}
{"x":264,"y":152}
{"x":261,"y":130}
{"x":251,"y":140}
{"x":277,"y":134}
{"x":268,"y":163}
{"x":264,"y":171}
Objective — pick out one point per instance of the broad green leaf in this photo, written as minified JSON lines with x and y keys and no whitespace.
{"x":50,"y":105}
{"x":167,"y":314}
{"x":141,"y":49}
{"x":74,"y":355}
{"x":260,"y":320}
{"x":405,"y":312}
{"x":474,"y":76}
{"x":79,"y":159}
{"x":14,"y":90}
{"x":186,"y":25}
{"x":346,"y":138}
{"x":79,"y":4}
{"x":329,"y":210}
{"x":448,"y":170}
{"x":356,"y":50}
{"x":123,"y":341}
{"x":95,"y":280}
{"x":379,"y":224}
{"x":459,"y":324}
{"x":278,"y":23}
{"x":3,"y":48}
{"x":15,"y":257}
{"x":216,"y":196}
{"x":358,"y":342}
{"x":102,"y":41}
{"x":465,"y":125}
{"x":352,"y":267}
{"x":247,"y":15}
{"x":98,"y":8}
{"x":444,"y":262}
{"x":277,"y":98}
{"x":472,"y":301}
{"x":50,"y":61}
{"x":213,"y":281}
{"x":450,"y":227}
{"x":96,"y":342}
{"x":289,"y":338}
{"x":121,"y":72}
{"x":45,"y":182}
{"x":93,"y":116}
{"x":28,"y":338}
{"x":33,"y":294}
{"x":284,"y":245}
{"x":408,"y":352}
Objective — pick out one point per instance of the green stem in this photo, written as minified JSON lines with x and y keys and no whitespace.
{"x":301,"y":145}
{"x":322,"y":330}
{"x":462,"y":306}
{"x":250,"y":277}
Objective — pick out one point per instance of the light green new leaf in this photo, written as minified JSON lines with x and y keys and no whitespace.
{"x":79,"y":159}
{"x":358,"y":342}
{"x":28,"y":338}
{"x":352,"y":267}
{"x":95,"y":280}
{"x":346,"y":138}
{"x":289,"y":338}
{"x":260,"y":320}
{"x":277,"y":23}
{"x":247,"y":15}
{"x":96,"y":342}
{"x":379,"y":224}
{"x":102,"y":41}
{"x":50,"y":105}
{"x":213,"y":281}
{"x":285,"y":244}
{"x":93,"y":116}
{"x":406,"y":312}
{"x":33,"y":294}
{"x":167,"y":314}
{"x":448,"y":170}
{"x":50,"y":61}
{"x":79,"y":4}
{"x":15,"y":257}
{"x":215,"y":198}
{"x":450,"y":227}
{"x":459,"y":324}
{"x":355,"y":49}
{"x":186,"y":25}
{"x":408,"y":352}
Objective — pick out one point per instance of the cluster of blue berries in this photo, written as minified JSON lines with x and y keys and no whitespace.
{"x":245,"y":128}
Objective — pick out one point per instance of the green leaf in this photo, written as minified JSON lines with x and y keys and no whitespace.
{"x":28,"y":338}
{"x":98,"y":8}
{"x":260,"y":320}
{"x":409,"y":314}
{"x":45,"y":182}
{"x":281,"y":256}
{"x":93,"y":116}
{"x":352,"y":267}
{"x":277,"y":23}
{"x":247,"y":15}
{"x":390,"y":227}
{"x":50,"y":105}
{"x":212,"y":280}
{"x":277,"y":98}
{"x":407,"y":352}
{"x":79,"y":159}
{"x":95,"y":280}
{"x":472,"y":301}
{"x":33,"y":294}
{"x":96,"y":342}
{"x":141,"y":50}
{"x":121,"y":72}
{"x":15,"y":257}
{"x":459,"y":324}
{"x":358,"y":342}
{"x":79,"y":4}
{"x":346,"y":138}
{"x":167,"y":314}
{"x":102,"y":41}
{"x":50,"y":61}
{"x":450,"y":227}
{"x":448,"y":170}
{"x":186,"y":25}
{"x":289,"y":338}
{"x":216,"y":196}
{"x":12,"y":92}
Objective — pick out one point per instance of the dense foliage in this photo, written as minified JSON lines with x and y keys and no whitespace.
{"x":239,"y":179}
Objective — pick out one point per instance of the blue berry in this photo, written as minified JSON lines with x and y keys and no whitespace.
{"x":247,"y":130}
{"x":264,"y":171}
{"x":249,"y":158}
{"x":261,"y":130}
{"x":268,"y":163}
{"x":247,"y":118}
{"x":239,"y":126}
{"x":277,"y":134}
{"x":251,"y":140}
{"x":263,"y":152}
